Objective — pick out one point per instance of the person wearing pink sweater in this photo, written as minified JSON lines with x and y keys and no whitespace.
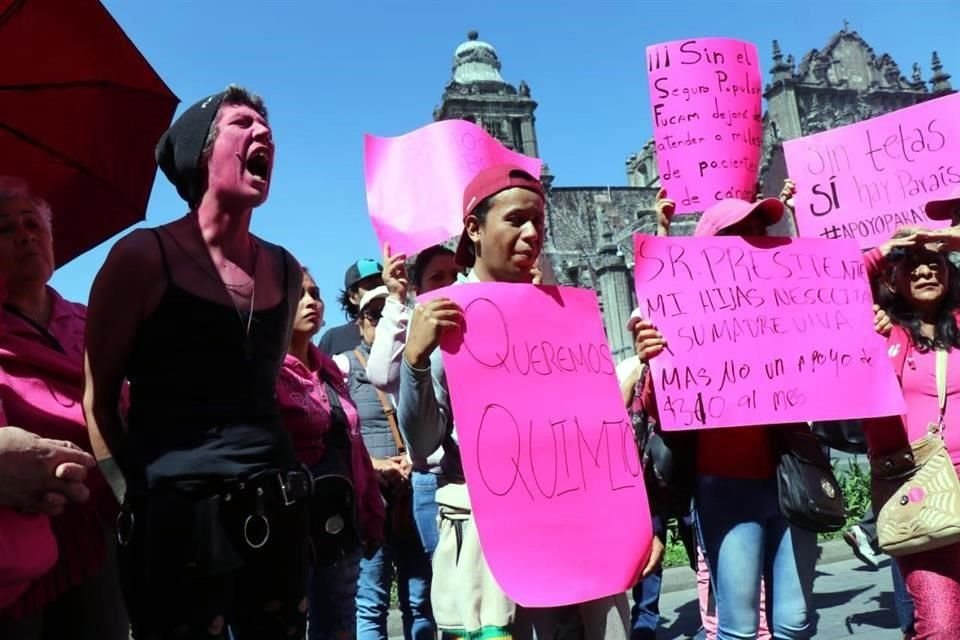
{"x":56,"y":576}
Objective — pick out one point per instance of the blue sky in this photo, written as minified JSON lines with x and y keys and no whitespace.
{"x":331,"y":71}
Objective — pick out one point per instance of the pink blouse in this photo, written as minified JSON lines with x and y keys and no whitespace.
{"x":41,"y":390}
{"x":305,"y":410}
{"x":919,"y":380}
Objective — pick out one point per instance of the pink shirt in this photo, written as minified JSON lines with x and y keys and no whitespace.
{"x":919,"y":380}
{"x":305,"y":410}
{"x":41,"y":390}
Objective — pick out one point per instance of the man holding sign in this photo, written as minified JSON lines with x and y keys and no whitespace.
{"x":503,"y":209}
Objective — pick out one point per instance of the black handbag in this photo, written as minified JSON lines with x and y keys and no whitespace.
{"x":842,"y":435}
{"x":669,"y":461}
{"x":334,"y":527}
{"x":810,"y":496}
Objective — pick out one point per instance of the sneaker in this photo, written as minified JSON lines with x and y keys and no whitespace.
{"x":860,"y":544}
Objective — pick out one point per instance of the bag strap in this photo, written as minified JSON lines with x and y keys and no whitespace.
{"x":942,"y":358}
{"x":388,"y":408}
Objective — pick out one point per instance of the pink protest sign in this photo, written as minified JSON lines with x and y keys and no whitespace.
{"x":762,"y":331}
{"x":415,"y":182}
{"x":707,"y":123}
{"x":548,"y":450}
{"x":865,"y":180}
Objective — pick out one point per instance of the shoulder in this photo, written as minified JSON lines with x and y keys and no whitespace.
{"x":136,"y":250}
{"x":65,"y":307}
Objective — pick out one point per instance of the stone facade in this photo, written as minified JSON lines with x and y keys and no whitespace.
{"x":589,"y":229}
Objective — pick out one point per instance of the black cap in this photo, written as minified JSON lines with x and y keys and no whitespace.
{"x":179,"y":149}
{"x":360,"y":270}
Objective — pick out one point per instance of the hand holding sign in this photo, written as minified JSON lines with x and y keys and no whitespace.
{"x":864,"y":180}
{"x":548,"y":450}
{"x":705,"y":97}
{"x":761,"y":331}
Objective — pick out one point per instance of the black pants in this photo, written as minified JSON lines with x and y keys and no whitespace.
{"x":190,"y":570}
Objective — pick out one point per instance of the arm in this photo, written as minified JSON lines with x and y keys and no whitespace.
{"x":424,"y":404}
{"x":423,"y":411}
{"x":126,"y":281}
{"x":383,"y":365}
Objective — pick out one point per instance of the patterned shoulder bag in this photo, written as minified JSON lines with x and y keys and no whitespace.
{"x":917,"y":490}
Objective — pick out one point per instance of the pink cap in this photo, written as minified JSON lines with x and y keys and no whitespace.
{"x":729,"y":212}
{"x":944,"y":209}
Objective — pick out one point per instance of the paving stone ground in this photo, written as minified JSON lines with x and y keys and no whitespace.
{"x":851,"y":600}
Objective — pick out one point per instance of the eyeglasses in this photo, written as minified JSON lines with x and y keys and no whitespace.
{"x":373,"y":316}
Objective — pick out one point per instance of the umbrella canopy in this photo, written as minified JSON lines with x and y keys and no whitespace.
{"x":80,"y":112}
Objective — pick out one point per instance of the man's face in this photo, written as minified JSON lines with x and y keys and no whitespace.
{"x":511,"y":237}
{"x":241,"y":162}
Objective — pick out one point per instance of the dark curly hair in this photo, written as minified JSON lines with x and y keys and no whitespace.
{"x":903,"y":313}
{"x":423,"y":261}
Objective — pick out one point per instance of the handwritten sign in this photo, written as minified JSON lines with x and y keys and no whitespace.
{"x":707,"y":123}
{"x":548,"y":450}
{"x":762,"y":331}
{"x":865,"y":180}
{"x":415,"y":182}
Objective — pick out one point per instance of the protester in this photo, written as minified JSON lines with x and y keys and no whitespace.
{"x":744,"y":535}
{"x":197,"y":314}
{"x":323,"y":422}
{"x":361,"y":276}
{"x":502,"y":239}
{"x":378,"y":425}
{"x":46,"y":467}
{"x":921,"y":293}
{"x":433,"y":268}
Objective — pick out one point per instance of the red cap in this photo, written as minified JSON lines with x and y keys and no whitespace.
{"x":489,"y":182}
{"x":944,"y":209}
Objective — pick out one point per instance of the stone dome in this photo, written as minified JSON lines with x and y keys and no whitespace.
{"x":476,"y":61}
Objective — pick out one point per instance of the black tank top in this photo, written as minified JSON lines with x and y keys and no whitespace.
{"x":202,"y":394}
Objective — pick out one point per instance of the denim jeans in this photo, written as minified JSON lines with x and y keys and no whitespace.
{"x":413,"y":591}
{"x":425,"y":509}
{"x":333,"y":600}
{"x":902,"y":602}
{"x":744,"y":536}
{"x":645,"y":614}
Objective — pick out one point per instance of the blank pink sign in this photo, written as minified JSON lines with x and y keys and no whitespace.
{"x":762,"y":331}
{"x":415,"y":182}
{"x":707,"y":120}
{"x":865,"y":180}
{"x":548,"y":450}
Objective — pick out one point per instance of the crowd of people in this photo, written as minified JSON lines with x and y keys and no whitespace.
{"x":179,"y":460}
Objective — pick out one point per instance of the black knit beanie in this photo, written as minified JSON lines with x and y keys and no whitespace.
{"x":179,"y":149}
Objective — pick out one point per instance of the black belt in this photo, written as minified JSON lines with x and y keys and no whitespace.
{"x":285,"y":487}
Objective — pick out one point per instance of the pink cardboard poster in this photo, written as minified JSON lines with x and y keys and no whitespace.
{"x":548,"y":450}
{"x":865,"y":180}
{"x":762,"y":331}
{"x":707,"y":123}
{"x":415,"y":182}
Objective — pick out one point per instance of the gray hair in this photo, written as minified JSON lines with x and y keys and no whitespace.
{"x":13,"y":187}
{"x":233,"y":95}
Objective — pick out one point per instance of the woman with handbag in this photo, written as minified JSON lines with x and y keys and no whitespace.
{"x":402,"y":547}
{"x":346,"y":511}
{"x":914,"y":457}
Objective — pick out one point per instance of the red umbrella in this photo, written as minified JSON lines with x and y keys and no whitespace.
{"x":80,"y":112}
